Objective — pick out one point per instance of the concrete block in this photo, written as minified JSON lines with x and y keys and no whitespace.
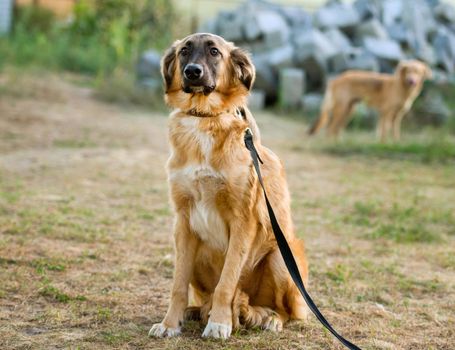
{"x":355,"y":59}
{"x":291,"y":87}
{"x":444,"y":45}
{"x":312,"y":52}
{"x":312,"y":102}
{"x":371,"y":28}
{"x":256,"y":99}
{"x":418,"y":19}
{"x":149,"y":65}
{"x":209,"y":26}
{"x":251,"y":28}
{"x":296,"y":17}
{"x":384,"y":49}
{"x":6,"y":13}
{"x":230,"y":26}
{"x":338,"y":39}
{"x":275,"y":31}
{"x":445,"y":13}
{"x":266,"y":78}
{"x":281,"y":57}
{"x":368,"y":9}
{"x":312,"y":43}
{"x":338,"y":15}
{"x":392,"y":11}
{"x":400,"y":33}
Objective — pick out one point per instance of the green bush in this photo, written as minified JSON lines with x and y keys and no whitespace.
{"x":101,"y":37}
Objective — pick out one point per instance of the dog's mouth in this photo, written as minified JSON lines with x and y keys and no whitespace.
{"x":198,"y":89}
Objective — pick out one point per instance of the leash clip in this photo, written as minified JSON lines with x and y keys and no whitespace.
{"x":248,"y":139}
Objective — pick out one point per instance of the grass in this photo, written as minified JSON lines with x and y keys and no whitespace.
{"x":103,"y":41}
{"x":436,"y":150}
{"x":86,"y":257}
{"x":402,"y":224}
{"x":55,"y":294}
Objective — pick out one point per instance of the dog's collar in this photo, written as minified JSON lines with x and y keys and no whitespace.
{"x":195,"y":113}
{"x":239,"y":113}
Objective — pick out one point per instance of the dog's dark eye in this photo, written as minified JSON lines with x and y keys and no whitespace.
{"x":184,"y":51}
{"x":214,"y":51}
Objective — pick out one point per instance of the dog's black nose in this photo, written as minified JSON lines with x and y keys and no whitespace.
{"x":193,"y":71}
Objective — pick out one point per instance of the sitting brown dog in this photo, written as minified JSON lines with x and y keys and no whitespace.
{"x":226,"y":253}
{"x":392,"y":95}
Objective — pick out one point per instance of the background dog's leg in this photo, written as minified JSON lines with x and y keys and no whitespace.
{"x":341,"y":115}
{"x":220,"y":321}
{"x":397,"y":124}
{"x":384,"y":125}
{"x":185,"y":250}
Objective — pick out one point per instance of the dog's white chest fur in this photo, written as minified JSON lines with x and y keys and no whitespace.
{"x":204,"y":183}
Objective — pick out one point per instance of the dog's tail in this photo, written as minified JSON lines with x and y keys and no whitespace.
{"x":324,"y":117}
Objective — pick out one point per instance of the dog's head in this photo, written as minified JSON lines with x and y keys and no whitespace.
{"x":203,"y":72}
{"x":413,"y":73}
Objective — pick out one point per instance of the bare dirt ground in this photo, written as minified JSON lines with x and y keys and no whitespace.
{"x":86,"y":255}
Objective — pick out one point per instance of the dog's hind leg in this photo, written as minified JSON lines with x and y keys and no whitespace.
{"x":201,"y":305}
{"x":255,"y":316}
{"x":396,"y":127}
{"x":341,"y":117}
{"x":324,"y":117}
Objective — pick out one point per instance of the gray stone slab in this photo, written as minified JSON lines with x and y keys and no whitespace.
{"x":312,"y":102}
{"x":445,"y":12}
{"x":338,"y":39}
{"x":209,"y":26}
{"x":281,"y":57}
{"x":313,"y":43}
{"x":338,"y":15}
{"x":312,"y":52}
{"x":266,"y":78}
{"x":371,"y":28}
{"x":256,"y":99}
{"x":291,"y":87}
{"x":444,"y":45}
{"x":399,"y":32}
{"x":384,"y":49}
{"x":149,"y":65}
{"x":355,"y":59}
{"x":274,"y":29}
{"x":230,"y":25}
{"x":296,"y":17}
{"x":418,"y":19}
{"x":392,"y":11}
{"x":368,"y":9}
{"x":6,"y":13}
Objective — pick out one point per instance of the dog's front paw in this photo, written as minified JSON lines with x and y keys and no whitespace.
{"x":159,"y":330}
{"x":217,"y":330}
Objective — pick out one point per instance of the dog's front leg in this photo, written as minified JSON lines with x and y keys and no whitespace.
{"x":241,"y":236}
{"x":185,"y":250}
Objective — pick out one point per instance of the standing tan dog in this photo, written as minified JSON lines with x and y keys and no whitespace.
{"x":391,"y":94}
{"x":226,"y":254}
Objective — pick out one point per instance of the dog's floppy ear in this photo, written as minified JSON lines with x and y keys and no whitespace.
{"x":401,"y":70}
{"x":243,"y":67}
{"x":168,"y":65}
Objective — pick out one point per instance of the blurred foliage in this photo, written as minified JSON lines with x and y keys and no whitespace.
{"x":100,"y":37}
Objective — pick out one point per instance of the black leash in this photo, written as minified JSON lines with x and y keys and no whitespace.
{"x":286,"y":252}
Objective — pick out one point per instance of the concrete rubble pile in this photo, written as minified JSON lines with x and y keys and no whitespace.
{"x":295,"y":52}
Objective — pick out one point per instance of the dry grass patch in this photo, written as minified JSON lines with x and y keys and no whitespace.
{"x":86,"y":256}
